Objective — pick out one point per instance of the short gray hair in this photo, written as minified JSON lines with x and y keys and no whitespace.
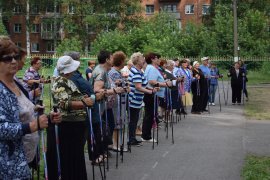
{"x":73,"y":54}
{"x":169,"y":63}
{"x":135,"y":57}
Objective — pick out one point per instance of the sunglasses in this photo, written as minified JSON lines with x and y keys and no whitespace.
{"x":8,"y":58}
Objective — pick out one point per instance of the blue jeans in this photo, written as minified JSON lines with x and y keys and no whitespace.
{"x":212,"y":91}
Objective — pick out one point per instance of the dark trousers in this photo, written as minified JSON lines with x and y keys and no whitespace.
{"x":236,"y":93}
{"x":148,"y":117}
{"x":196,"y":97}
{"x":98,"y":144}
{"x":204,"y":95}
{"x":134,"y":117}
{"x":71,"y":146}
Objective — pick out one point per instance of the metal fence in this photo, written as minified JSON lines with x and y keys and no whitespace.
{"x":49,"y":62}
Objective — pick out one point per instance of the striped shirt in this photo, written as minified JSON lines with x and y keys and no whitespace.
{"x":135,"y":96}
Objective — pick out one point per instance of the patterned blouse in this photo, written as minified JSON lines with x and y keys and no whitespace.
{"x":64,"y":91}
{"x":13,"y":163}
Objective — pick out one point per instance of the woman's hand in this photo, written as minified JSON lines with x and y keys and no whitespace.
{"x":41,"y":122}
{"x":56,"y":117}
{"x":88,"y":101}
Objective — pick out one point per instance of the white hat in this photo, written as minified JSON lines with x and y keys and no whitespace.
{"x":66,"y":64}
{"x":195,"y":62}
{"x":204,"y":58}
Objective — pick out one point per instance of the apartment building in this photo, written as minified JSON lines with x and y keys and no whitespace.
{"x":183,"y":10}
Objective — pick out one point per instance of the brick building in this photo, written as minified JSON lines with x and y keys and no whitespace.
{"x":42,"y":25}
{"x":183,"y":10}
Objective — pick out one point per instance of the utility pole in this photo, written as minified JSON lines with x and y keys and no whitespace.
{"x":235,"y":33}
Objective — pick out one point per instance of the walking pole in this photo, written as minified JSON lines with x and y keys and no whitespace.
{"x":227,"y":93}
{"x":128,"y":113}
{"x":219,"y":97}
{"x":223,"y":90}
{"x":102,"y":142}
{"x":170,"y":95}
{"x":208,"y":93}
{"x":57,"y":147}
{"x":92,"y":138}
{"x":106,"y":123}
{"x":40,"y":112}
{"x":117,"y":131}
{"x":166,"y":112}
{"x":154,"y":125}
{"x":243,"y":87}
{"x":124,"y":127}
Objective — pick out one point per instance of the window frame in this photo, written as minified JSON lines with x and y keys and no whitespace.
{"x":147,"y":6}
{"x":17,"y":26}
{"x":35,"y":25}
{"x":208,"y":9}
{"x":37,"y":47}
{"x":188,"y":9}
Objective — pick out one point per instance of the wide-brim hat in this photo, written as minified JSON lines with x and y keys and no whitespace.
{"x":195,"y":62}
{"x":204,"y":58}
{"x":66,"y":64}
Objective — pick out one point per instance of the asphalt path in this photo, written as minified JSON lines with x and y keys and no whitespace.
{"x":207,"y":147}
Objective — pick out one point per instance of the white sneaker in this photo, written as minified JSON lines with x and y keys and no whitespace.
{"x":209,"y":104}
{"x":213,"y":104}
{"x":150,"y":140}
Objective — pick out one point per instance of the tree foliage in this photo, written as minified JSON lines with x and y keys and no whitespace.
{"x":71,"y":44}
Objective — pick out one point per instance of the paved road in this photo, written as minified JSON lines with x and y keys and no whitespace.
{"x":207,"y":147}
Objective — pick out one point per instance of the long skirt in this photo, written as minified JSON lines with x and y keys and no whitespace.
{"x":187,"y":99}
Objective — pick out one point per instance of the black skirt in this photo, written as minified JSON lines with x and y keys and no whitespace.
{"x":71,"y":144}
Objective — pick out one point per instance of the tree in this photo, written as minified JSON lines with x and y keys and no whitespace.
{"x":3,"y":30}
{"x":72,"y":44}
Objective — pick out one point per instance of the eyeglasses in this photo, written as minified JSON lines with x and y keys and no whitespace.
{"x":9,"y":58}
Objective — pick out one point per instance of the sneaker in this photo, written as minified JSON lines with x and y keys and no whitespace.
{"x":233,"y":103}
{"x":213,"y":104}
{"x":239,"y":103}
{"x":149,"y":140}
{"x":209,"y":104}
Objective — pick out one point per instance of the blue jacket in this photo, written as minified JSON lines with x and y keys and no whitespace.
{"x":13,"y":163}
{"x":214,"y":72}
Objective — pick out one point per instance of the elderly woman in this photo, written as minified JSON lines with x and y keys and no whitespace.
{"x":196,"y":88}
{"x":72,"y":103}
{"x":115,"y":77}
{"x":138,"y":83}
{"x":154,"y":77}
{"x":32,"y":79}
{"x":176,"y":101}
{"x":13,"y":161}
{"x":186,"y":85}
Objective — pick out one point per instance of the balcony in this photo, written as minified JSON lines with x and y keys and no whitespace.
{"x":49,"y":35}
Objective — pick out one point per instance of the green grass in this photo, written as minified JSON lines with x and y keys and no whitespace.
{"x":256,"y":168}
{"x":258,"y":105}
{"x":257,"y":77}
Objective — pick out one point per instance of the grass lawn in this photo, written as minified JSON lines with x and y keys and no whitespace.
{"x":258,"y":105}
{"x":256,"y":168}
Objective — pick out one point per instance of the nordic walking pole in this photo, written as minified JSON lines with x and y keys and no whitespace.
{"x":166,"y":112}
{"x":117,"y":131}
{"x":107,"y":126}
{"x":124,"y":127}
{"x":219,"y":97}
{"x":227,"y":91}
{"x":92,"y":138}
{"x":154,"y":125}
{"x":171,"y":108}
{"x":57,"y":147}
{"x":223,"y":90}
{"x":102,"y":142}
{"x":243,"y":87}
{"x":208,"y":93}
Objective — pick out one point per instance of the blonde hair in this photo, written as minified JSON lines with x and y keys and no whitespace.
{"x":135,"y":57}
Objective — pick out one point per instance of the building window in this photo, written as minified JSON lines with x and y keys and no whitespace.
{"x":150,"y":9}
{"x":71,"y":9}
{"x":50,"y":8}
{"x":17,"y":9}
{"x":189,"y":9}
{"x":205,"y":9}
{"x":34,"y":9}
{"x":34,"y":47}
{"x":17,"y":28}
{"x":50,"y":46}
{"x":47,"y":27}
{"x":171,"y":8}
{"x":18,"y":44}
{"x":35,"y":28}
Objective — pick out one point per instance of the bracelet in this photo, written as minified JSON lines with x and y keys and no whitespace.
{"x":38,"y":125}
{"x":114,"y":91}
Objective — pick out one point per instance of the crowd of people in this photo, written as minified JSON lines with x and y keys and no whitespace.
{"x":95,"y":110}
